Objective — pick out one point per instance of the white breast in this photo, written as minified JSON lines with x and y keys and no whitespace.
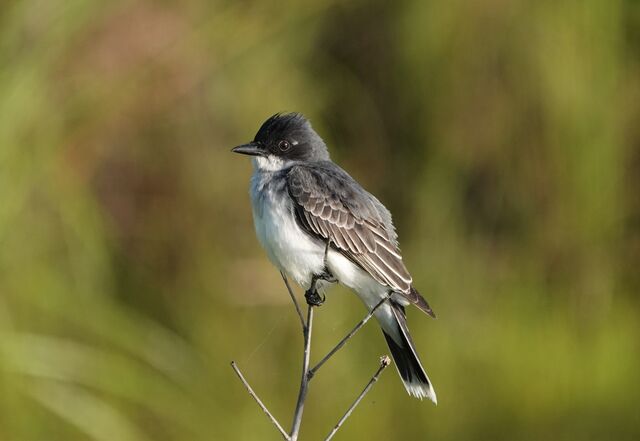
{"x":288,"y":247}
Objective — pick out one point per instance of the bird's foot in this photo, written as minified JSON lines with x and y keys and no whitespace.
{"x":311,"y":295}
{"x":313,"y":298}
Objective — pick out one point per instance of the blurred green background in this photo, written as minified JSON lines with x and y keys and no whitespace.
{"x":130,"y":275}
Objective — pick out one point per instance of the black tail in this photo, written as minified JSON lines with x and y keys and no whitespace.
{"x":414,"y":377}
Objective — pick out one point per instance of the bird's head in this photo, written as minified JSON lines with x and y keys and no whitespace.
{"x":283,"y":140}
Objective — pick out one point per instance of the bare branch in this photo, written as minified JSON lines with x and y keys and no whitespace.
{"x":353,"y":332}
{"x":307,"y":374}
{"x":385,"y":361}
{"x":260,"y":403}
{"x":304,"y":382}
{"x":295,"y":302}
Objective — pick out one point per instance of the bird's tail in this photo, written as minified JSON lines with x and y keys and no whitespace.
{"x":394,"y":327}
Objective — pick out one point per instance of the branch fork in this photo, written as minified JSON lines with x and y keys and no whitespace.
{"x":308,"y":373}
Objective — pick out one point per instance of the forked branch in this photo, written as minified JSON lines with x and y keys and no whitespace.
{"x":347,"y":337}
{"x":304,"y":381}
{"x":307,"y":373}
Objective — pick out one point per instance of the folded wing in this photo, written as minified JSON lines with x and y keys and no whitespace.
{"x":332,"y":206}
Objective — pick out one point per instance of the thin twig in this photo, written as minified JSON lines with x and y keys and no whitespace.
{"x":295,"y":302}
{"x":304,"y":382}
{"x":307,"y":374}
{"x":260,"y":403}
{"x":385,"y":361}
{"x":342,"y":342}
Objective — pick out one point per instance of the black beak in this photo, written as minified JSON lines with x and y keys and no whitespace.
{"x":252,"y":149}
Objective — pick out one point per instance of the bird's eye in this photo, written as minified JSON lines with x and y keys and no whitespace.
{"x":284,"y":145}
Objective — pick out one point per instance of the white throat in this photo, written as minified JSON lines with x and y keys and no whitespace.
{"x":268,"y":163}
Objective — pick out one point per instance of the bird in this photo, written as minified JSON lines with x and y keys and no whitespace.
{"x":319,"y":226}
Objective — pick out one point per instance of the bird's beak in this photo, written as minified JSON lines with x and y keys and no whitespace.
{"x":252,"y":149}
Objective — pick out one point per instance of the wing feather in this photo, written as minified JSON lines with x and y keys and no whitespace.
{"x":339,"y":237}
{"x":365,"y":237}
{"x":332,"y":206}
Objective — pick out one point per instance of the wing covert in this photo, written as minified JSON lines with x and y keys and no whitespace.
{"x":330,"y":205}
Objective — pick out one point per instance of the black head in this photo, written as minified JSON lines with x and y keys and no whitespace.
{"x":286,"y":138}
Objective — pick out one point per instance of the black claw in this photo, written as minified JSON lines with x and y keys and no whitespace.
{"x":327,"y":277}
{"x":313,"y":298}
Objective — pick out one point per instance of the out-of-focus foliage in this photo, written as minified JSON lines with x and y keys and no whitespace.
{"x":503,"y":135}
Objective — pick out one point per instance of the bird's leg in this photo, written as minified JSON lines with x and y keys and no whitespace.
{"x":311,"y":295}
{"x":326,"y":275}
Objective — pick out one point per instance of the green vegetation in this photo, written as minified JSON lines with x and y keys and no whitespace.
{"x":129,"y":272}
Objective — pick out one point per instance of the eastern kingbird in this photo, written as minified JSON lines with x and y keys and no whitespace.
{"x":318,"y":226}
